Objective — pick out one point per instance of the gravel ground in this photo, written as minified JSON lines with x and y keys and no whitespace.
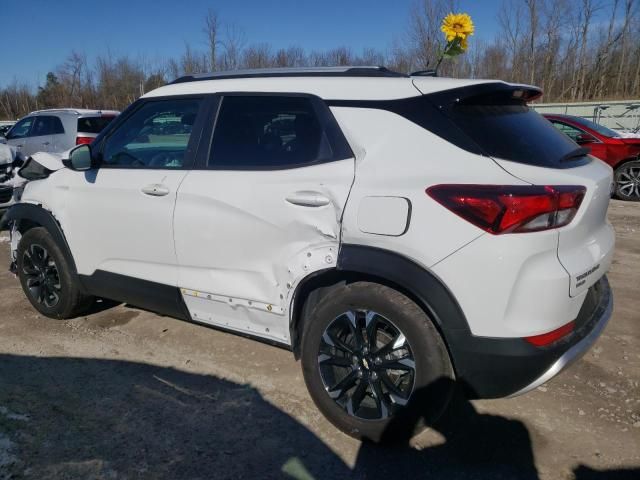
{"x":124,"y":393}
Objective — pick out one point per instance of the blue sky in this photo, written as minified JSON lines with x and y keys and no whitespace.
{"x":37,"y":35}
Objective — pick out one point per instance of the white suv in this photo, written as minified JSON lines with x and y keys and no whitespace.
{"x":401,"y":234}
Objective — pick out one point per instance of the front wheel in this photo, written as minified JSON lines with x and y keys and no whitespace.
{"x":46,"y":277}
{"x":627,"y":178}
{"x":374,"y":363}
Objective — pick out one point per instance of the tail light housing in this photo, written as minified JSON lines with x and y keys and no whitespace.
{"x":84,"y":140}
{"x":500,"y":209}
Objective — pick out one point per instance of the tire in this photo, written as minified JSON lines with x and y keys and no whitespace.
{"x":627,"y":178}
{"x":46,"y":277}
{"x":343,"y":378}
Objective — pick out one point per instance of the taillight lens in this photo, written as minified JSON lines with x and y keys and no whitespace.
{"x":511,"y":208}
{"x":83,"y":140}
{"x":550,"y":337}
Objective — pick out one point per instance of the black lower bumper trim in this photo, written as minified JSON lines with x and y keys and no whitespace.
{"x":498,"y":367}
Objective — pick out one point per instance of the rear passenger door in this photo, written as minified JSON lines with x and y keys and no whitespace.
{"x":262,"y":210}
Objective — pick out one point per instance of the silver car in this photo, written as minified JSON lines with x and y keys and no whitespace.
{"x":57,"y":130}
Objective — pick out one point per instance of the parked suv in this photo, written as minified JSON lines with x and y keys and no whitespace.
{"x":57,"y":130}
{"x":401,"y":234}
{"x":623,"y":154}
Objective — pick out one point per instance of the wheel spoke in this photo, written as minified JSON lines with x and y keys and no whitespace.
{"x":343,"y":385}
{"x":354,"y":327}
{"x":395,"y":344}
{"x":399,"y":364}
{"x":326,"y":359}
{"x":371,"y":325}
{"x":354,"y":402}
{"x":391,"y":386}
{"x":334,"y":341}
{"x":381,"y":402}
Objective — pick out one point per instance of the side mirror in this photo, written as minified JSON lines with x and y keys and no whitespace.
{"x":584,"y":138}
{"x":79,"y":159}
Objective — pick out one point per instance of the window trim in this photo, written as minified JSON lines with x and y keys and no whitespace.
{"x":341,"y":150}
{"x":192,"y":146}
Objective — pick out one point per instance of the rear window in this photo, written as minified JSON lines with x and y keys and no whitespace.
{"x":93,"y":124}
{"x":503,"y":127}
{"x":506,"y":128}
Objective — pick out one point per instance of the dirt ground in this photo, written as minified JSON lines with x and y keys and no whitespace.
{"x":124,"y":393}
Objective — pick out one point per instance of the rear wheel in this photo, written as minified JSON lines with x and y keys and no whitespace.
{"x":46,"y":277}
{"x":627,"y":177}
{"x":374,"y":363}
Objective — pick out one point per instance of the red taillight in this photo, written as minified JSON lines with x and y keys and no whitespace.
{"x":83,"y":140}
{"x":551,"y":337}
{"x":511,"y":208}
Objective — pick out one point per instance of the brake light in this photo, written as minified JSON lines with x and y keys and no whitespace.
{"x":550,"y":337}
{"x":83,"y":140}
{"x":511,"y":208}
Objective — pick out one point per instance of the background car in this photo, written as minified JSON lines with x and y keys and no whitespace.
{"x":57,"y":130}
{"x":623,"y":154}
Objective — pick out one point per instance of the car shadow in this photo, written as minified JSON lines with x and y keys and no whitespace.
{"x":88,"y":418}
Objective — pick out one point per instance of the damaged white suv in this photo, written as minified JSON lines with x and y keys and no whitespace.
{"x":401,"y":234}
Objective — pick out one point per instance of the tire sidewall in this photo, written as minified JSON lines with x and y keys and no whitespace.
{"x":432,"y":362}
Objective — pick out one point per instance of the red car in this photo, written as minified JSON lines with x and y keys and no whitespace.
{"x":623,"y":154}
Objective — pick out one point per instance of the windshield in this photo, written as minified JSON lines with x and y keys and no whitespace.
{"x":602,"y":130}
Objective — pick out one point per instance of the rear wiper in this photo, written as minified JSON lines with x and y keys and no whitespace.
{"x":578,"y":152}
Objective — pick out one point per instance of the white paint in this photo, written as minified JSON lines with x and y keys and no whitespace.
{"x":239,"y":235}
{"x":110,"y":224}
{"x":383,"y":215}
{"x":589,"y":239}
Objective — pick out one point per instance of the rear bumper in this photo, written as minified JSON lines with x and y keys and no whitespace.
{"x":495,"y":367}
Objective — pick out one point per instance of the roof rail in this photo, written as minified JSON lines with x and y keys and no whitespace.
{"x":346,"y":71}
{"x":75,"y":111}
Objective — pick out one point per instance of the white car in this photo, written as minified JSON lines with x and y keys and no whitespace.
{"x":401,"y":234}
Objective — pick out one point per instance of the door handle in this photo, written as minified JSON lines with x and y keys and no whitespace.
{"x":45,"y":143}
{"x":155,"y":190}
{"x":308,"y":199}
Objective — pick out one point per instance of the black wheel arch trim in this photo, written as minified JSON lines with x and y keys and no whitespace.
{"x":485,"y":367}
{"x":39,"y":216}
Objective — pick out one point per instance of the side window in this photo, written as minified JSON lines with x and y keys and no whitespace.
{"x":21,"y":129}
{"x":46,"y":125}
{"x":156,"y":135}
{"x":268,"y":132}
{"x":568,"y":130}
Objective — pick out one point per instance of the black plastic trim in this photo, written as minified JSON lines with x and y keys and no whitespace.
{"x":148,"y":295}
{"x":35,"y":214}
{"x":488,"y":367}
{"x":347,"y":72}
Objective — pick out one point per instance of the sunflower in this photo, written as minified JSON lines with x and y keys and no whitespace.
{"x":457,"y":25}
